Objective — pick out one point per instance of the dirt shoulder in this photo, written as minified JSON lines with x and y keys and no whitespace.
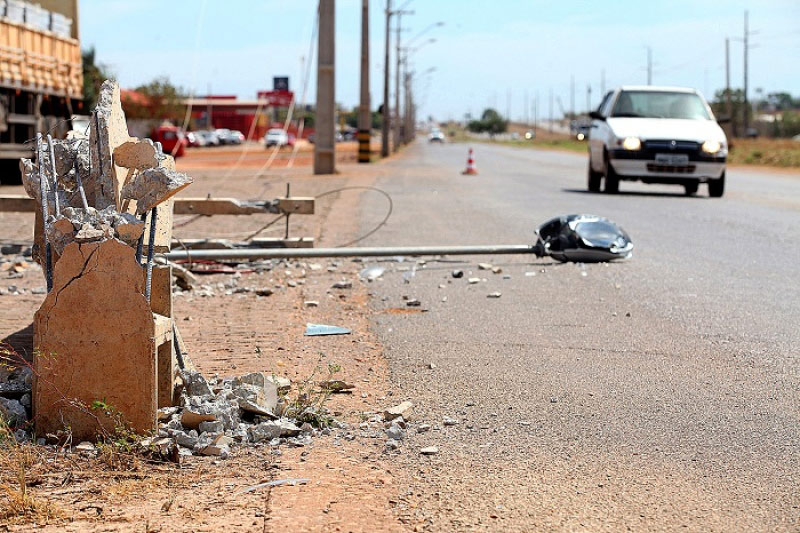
{"x":229,"y":331}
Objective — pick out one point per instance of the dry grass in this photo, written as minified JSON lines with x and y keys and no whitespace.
{"x":770,"y":152}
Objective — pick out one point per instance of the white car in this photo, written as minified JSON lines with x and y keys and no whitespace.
{"x":656,"y":135}
{"x":277,"y":137}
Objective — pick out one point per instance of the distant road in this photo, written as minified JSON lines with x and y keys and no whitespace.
{"x":659,"y":393}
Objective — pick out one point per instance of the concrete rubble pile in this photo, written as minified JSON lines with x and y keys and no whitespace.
{"x":215,"y":414}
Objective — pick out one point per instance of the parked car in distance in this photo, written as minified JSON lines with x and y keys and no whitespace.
{"x":236,"y":137}
{"x":276,"y":137}
{"x":194,"y":139}
{"x":171,"y":138}
{"x":656,"y":135}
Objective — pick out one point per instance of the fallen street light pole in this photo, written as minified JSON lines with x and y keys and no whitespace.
{"x":387,"y":251}
{"x":575,"y":238}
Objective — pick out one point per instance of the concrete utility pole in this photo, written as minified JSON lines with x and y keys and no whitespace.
{"x":746,"y":103}
{"x":364,"y":114}
{"x":551,"y":110}
{"x":728,"y":101}
{"x":396,"y":133}
{"x":649,"y":66}
{"x":325,"y":124}
{"x":588,"y":98}
{"x":386,"y":119}
{"x":572,"y":96}
{"x":536,"y":112}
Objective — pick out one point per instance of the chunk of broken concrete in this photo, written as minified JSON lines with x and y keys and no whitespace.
{"x":195,"y":384}
{"x":264,"y":431}
{"x":400,"y":410}
{"x":139,"y":154}
{"x":336,"y":385}
{"x":429,"y":450}
{"x":192,"y":419}
{"x":154,"y":186}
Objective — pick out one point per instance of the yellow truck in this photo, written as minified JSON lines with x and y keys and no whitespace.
{"x":41,"y":76}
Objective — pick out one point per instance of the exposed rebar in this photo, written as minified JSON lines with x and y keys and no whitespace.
{"x":52,"y":153}
{"x":150,"y":250}
{"x":78,"y":179}
{"x":140,"y":242}
{"x":48,"y":269}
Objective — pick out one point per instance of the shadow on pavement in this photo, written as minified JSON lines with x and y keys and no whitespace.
{"x":639,"y":193}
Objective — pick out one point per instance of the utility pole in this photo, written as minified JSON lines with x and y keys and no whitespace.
{"x":364,"y":114}
{"x":649,"y":66}
{"x":508,"y":105}
{"x":536,"y":112}
{"x":325,"y":124}
{"x":572,"y":97}
{"x":551,"y":110}
{"x":386,"y":119}
{"x":396,"y":135}
{"x":728,"y":101}
{"x":588,"y":98}
{"x":746,"y":103}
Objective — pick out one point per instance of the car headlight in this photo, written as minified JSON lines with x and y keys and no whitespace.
{"x":632,"y":143}
{"x":712,"y":147}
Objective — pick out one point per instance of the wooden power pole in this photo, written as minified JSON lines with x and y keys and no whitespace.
{"x":364,"y":114}
{"x":325,"y":123}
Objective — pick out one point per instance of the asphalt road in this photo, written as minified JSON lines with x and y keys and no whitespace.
{"x":658,"y":393}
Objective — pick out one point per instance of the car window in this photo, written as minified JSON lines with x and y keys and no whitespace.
{"x":604,"y":104}
{"x":660,"y":104}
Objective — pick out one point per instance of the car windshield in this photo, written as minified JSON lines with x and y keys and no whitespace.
{"x":660,"y":104}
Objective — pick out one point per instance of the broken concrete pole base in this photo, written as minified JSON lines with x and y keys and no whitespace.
{"x":95,"y":351}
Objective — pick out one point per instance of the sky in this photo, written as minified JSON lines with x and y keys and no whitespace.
{"x":507,"y":54}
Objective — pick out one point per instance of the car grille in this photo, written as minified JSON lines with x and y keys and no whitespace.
{"x":681,"y":147}
{"x":683,"y":169}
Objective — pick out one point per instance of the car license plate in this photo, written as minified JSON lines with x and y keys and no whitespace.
{"x":672,"y":159}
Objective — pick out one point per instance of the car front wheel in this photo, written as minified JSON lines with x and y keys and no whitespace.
{"x":716,"y":188}
{"x":611,"y":178}
{"x":690,"y":188}
{"x":595,"y":179}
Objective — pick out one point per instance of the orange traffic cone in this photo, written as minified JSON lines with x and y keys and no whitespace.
{"x":471,"y":169}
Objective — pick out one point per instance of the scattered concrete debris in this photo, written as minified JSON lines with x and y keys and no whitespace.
{"x":401,"y":410}
{"x":494,"y":295}
{"x":311,"y":303}
{"x":313,"y":330}
{"x":371,"y":273}
{"x":413,"y":302}
{"x":473,"y":281}
{"x":429,"y":450}
{"x":342,"y":285}
{"x":497,"y":270}
{"x":484,"y":266}
{"x":448,"y":421}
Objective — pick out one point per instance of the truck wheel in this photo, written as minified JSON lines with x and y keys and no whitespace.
{"x":595,"y":179}
{"x":716,"y":188}
{"x":691,"y":188}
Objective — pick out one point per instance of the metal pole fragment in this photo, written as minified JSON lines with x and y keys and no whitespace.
{"x":178,"y":352}
{"x":48,"y":269}
{"x":150,"y":250}
{"x":52,"y":153}
{"x":389,"y":251}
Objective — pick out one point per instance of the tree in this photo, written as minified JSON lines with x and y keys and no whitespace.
{"x":490,"y":122}
{"x":94,"y":74}
{"x":158,"y":99}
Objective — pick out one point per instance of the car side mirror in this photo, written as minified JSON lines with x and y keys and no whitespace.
{"x":723,"y":120}
{"x":596,"y":115}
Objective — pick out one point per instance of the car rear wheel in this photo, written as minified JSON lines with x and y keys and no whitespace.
{"x":690,"y":188}
{"x":595,"y":179}
{"x":716,"y":188}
